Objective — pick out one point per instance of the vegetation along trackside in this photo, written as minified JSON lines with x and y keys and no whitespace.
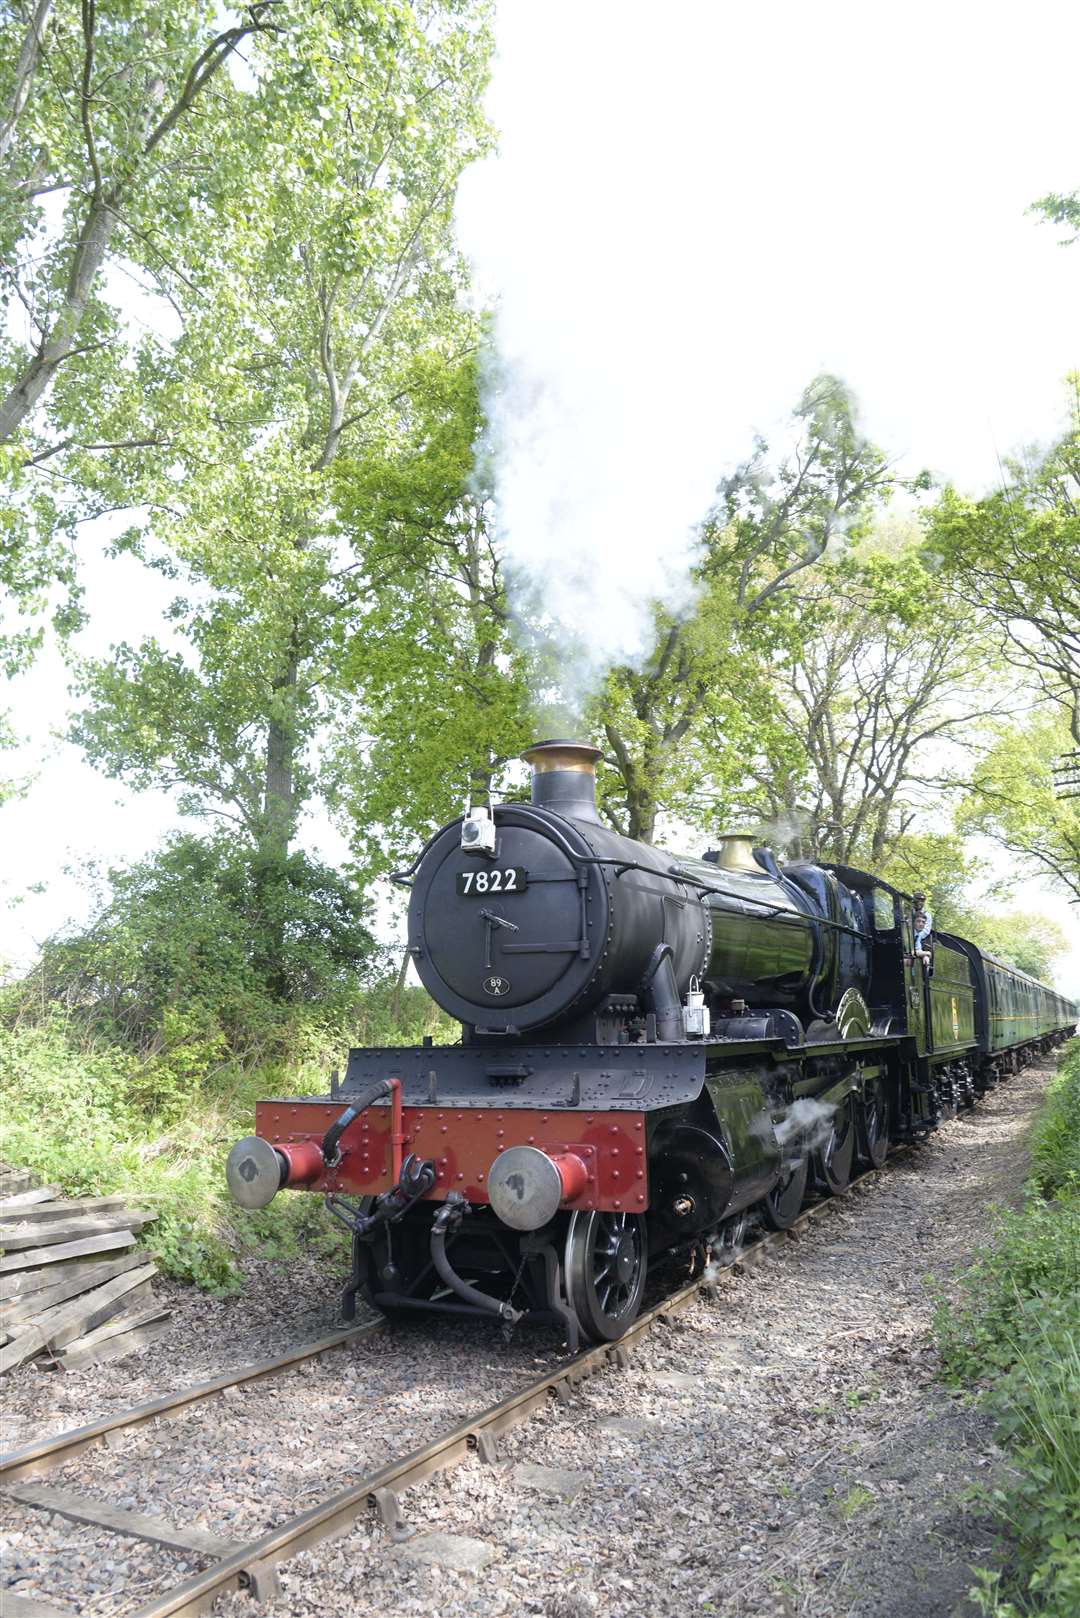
{"x":1014,"y":1334}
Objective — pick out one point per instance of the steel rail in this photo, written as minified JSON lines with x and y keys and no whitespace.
{"x":250,"y":1564}
{"x":45,"y":1453}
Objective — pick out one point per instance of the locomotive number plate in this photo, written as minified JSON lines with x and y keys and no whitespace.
{"x":492,"y":879}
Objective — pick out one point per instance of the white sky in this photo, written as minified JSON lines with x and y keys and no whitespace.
{"x":697,"y":207}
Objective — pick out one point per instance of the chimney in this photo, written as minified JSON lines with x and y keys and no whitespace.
{"x":564,"y":778}
{"x":736,"y":853}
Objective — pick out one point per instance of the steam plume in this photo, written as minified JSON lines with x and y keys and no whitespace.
{"x":697,"y":207}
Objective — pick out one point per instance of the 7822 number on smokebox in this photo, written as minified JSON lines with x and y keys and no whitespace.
{"x":492,"y":879}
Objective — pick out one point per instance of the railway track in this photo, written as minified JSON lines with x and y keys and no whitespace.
{"x":252,"y":1565}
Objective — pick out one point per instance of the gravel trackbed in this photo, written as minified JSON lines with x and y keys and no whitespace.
{"x":780,"y":1450}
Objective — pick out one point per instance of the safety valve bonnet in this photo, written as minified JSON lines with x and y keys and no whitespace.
{"x":527,"y":1187}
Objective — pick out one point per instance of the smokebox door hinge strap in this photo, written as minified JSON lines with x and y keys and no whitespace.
{"x":583,"y":887}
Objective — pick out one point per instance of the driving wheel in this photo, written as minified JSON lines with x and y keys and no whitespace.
{"x":834,"y":1158}
{"x":874,"y":1123}
{"x":781,"y":1206}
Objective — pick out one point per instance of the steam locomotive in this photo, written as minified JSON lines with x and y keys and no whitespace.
{"x":654,"y":1049}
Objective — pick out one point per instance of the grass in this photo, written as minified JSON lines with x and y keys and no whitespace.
{"x":1014,"y":1333}
{"x":857,"y":1499}
{"x":96,"y":1119}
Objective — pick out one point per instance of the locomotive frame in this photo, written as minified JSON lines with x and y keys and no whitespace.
{"x":654,"y":1049}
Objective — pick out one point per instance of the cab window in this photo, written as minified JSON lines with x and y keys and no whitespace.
{"x":884,"y":911}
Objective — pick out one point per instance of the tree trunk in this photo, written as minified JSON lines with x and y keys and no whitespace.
{"x":60,"y":342}
{"x":278,"y":823}
{"x":24,"y":71}
{"x":641,"y":810}
{"x":399,"y":990}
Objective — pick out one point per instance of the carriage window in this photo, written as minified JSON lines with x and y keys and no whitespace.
{"x":884,"y":911}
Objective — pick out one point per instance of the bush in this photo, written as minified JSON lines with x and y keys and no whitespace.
{"x":199,"y":958}
{"x":89,"y":1118}
{"x":133,"y":1055}
{"x":1056,"y":1142}
{"x":74,"y":1116}
{"x":1016,"y":1331}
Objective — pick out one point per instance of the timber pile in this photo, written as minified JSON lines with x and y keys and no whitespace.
{"x":72,"y":1288}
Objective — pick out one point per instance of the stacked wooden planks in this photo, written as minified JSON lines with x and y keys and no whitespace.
{"x":72,"y":1286}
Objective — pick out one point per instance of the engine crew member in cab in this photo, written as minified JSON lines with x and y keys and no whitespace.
{"x":923,"y":926}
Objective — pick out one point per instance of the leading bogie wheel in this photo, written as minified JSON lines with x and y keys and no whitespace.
{"x":606,"y":1260}
{"x":730,"y":1239}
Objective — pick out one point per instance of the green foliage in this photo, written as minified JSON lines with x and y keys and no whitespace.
{"x":75,"y":1115}
{"x":677,"y":725}
{"x":1024,"y":939}
{"x":439,"y":685}
{"x":96,"y":1118}
{"x":885,"y":672}
{"x":1016,"y":1332}
{"x":1016,"y":556}
{"x":1055,"y":1147}
{"x":181,"y":969}
{"x":1061,"y":208}
{"x":939,"y":865}
{"x":1012,"y":797}
{"x":104,"y":160}
{"x":321,"y":322}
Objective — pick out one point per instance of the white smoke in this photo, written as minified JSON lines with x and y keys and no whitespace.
{"x":805,"y":1127}
{"x":784,"y":830}
{"x":697,"y":207}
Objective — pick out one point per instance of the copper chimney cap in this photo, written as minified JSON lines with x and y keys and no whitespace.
{"x":562,"y":755}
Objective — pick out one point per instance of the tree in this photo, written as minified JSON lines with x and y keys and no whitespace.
{"x":769,"y":531}
{"x":92,"y":103}
{"x":173,"y":966}
{"x":444,"y":704}
{"x":942,"y":865}
{"x":1024,"y":939}
{"x":104,"y":165}
{"x":1016,"y":556}
{"x":887,"y":682}
{"x":1061,"y":208}
{"x":334,"y":293}
{"x":1013,"y":798}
